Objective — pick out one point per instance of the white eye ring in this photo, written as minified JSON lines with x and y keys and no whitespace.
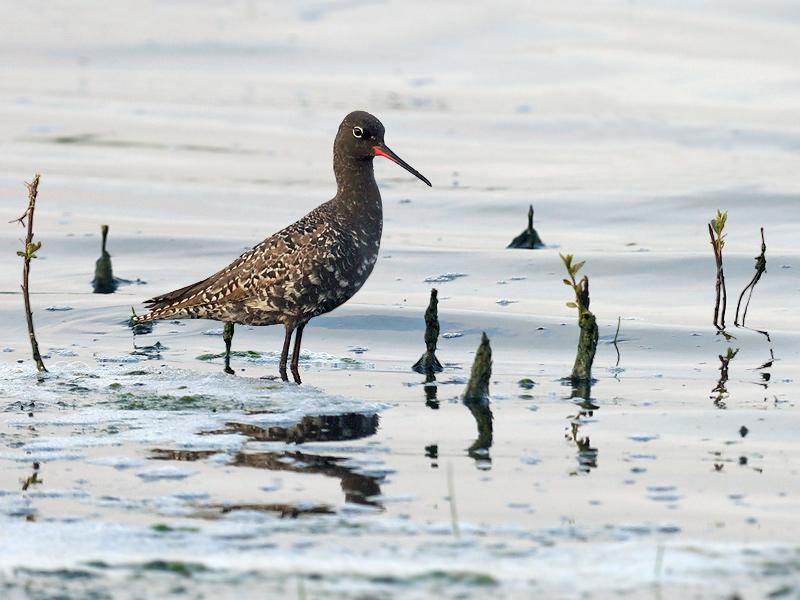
{"x":358,"y":132}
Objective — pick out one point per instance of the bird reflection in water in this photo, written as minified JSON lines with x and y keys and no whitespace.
{"x":358,"y":487}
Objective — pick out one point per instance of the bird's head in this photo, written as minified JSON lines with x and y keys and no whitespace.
{"x":360,"y":138}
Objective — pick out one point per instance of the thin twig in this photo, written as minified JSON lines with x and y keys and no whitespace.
{"x":616,"y":337}
{"x":28,"y":253}
{"x":451,"y":490}
{"x":761,"y":268}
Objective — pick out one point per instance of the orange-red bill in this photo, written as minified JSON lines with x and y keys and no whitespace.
{"x":384,"y":151}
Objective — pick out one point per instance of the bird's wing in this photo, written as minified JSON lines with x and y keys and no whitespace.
{"x":270,"y":263}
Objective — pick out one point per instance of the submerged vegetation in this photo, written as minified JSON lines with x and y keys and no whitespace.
{"x":478,"y":386}
{"x":476,"y":399}
{"x":428,"y":363}
{"x":104,"y":281}
{"x":28,"y":253}
{"x":529,"y":239}
{"x":589,"y":336}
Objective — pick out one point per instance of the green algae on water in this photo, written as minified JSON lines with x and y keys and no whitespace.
{"x":178,"y":567}
{"x":164,"y":528}
{"x":132,"y":401}
{"x":249,"y":354}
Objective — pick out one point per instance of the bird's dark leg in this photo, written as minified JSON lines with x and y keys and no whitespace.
{"x":227,"y":337}
{"x":285,"y":352}
{"x":296,"y":353}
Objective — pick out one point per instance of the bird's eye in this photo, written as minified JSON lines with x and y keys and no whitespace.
{"x":358,"y":132}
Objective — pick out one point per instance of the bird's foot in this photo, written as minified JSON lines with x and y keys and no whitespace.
{"x":228,"y":370}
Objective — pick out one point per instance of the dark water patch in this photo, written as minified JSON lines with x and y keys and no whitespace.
{"x":96,"y":140}
{"x":59,"y":574}
{"x":177,"y":567}
{"x":386,"y":323}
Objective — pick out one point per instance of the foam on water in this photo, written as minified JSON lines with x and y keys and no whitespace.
{"x":152,"y":405}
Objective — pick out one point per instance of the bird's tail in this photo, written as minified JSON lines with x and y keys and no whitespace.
{"x":171,"y":305}
{"x":159,"y":314}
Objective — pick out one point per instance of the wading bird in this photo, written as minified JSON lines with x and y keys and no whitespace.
{"x":308,"y":268}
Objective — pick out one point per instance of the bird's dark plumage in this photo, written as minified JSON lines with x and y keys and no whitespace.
{"x":310,"y":267}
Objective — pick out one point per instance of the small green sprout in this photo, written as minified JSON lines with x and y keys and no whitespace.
{"x":718,"y":226}
{"x":30,"y":250}
{"x":581,"y":288}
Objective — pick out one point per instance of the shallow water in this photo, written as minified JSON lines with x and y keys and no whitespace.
{"x":626,"y":126}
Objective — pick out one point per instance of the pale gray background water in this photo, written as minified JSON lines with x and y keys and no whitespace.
{"x":195,"y":129}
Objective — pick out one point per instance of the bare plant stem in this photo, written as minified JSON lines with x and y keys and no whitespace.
{"x":722,"y":293}
{"x":28,"y":253}
{"x":761,"y":268}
